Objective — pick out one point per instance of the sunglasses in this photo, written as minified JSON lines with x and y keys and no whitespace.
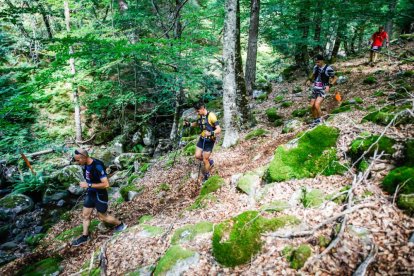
{"x":78,"y":153}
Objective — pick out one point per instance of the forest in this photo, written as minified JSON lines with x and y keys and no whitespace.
{"x":290,"y":191}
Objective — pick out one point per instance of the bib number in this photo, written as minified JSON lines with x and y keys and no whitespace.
{"x":318,"y":85}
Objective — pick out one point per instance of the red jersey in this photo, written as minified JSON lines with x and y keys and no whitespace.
{"x":378,"y":38}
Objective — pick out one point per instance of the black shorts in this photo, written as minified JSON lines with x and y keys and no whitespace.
{"x":318,"y":93}
{"x":97,"y":199}
{"x":205,"y":144}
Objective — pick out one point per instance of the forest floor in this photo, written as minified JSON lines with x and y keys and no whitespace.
{"x":385,"y":227}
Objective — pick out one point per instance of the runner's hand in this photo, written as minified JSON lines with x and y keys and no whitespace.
{"x":327,"y":88}
{"x":186,"y":124}
{"x":308,"y":82}
{"x":83,"y":184}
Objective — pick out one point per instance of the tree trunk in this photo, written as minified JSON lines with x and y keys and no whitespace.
{"x":179,"y":93}
{"x":46,"y":21}
{"x":317,"y":36}
{"x":361,"y":37}
{"x":340,"y":37}
{"x":302,"y":53}
{"x":250,"y":74}
{"x":78,"y":125}
{"x":241,"y":93}
{"x":231,"y":124}
{"x":391,"y":13}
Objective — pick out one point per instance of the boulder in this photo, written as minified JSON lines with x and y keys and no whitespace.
{"x":106,"y":155}
{"x":75,"y":189}
{"x":14,"y":204}
{"x":148,"y":137}
{"x":164,"y":145}
{"x":72,"y":174}
{"x":119,"y":178}
{"x":292,"y":126}
{"x":126,"y":160}
{"x":341,"y":80}
{"x":249,"y":183}
{"x":189,"y":115}
{"x":258,"y":94}
{"x":54,"y":196}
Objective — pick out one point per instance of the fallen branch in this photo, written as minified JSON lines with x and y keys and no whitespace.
{"x":322,"y":224}
{"x":362,"y":268}
{"x":34,"y":154}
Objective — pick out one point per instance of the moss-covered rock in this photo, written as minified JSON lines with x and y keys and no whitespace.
{"x":406,"y":202}
{"x":237,"y":240}
{"x":14,"y":204}
{"x":126,"y":160}
{"x":173,"y":255}
{"x":361,"y":145}
{"x":125,"y":190}
{"x":76,"y":231}
{"x":291,"y":126}
{"x":341,"y":109}
{"x":151,"y":231}
{"x":275,"y":206}
{"x":300,"y":112}
{"x":297,"y":257}
{"x":409,"y":153}
{"x":256,"y":133}
{"x":272,"y":114}
{"x":370,"y":80}
{"x":189,"y":232}
{"x":145,"y":218}
{"x":49,"y":266}
{"x":315,"y":153}
{"x":210,"y":186}
{"x":70,"y":175}
{"x":35,"y":239}
{"x":249,"y":183}
{"x":312,"y":198}
{"x":397,"y":177}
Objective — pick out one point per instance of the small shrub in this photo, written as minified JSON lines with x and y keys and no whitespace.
{"x":278,"y":99}
{"x":300,"y":112}
{"x":287,"y":104}
{"x":256,"y":133}
{"x":278,"y":122}
{"x":370,"y":80}
{"x":272,"y":114}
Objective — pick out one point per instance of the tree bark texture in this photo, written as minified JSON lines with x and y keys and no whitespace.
{"x":391,"y":12}
{"x":231,"y":124}
{"x":302,"y":53}
{"x":78,"y":124}
{"x":250,"y":74}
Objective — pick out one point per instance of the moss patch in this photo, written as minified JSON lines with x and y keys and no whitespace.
{"x":286,"y":104}
{"x":409,"y":153}
{"x":406,"y":202}
{"x":145,"y":218}
{"x":129,"y":188}
{"x":370,"y":80}
{"x":275,"y":206}
{"x":210,"y":186}
{"x":312,"y":198}
{"x":341,"y":109}
{"x":278,"y":99}
{"x":360,"y":145}
{"x":300,"y":112}
{"x":272,"y":114}
{"x":248,"y":183}
{"x":278,"y":122}
{"x":386,"y":114}
{"x":76,"y":231}
{"x":152,"y":231}
{"x":49,"y":266}
{"x":237,"y":240}
{"x":189,"y":232}
{"x":314,"y":154}
{"x":170,"y":258}
{"x":35,"y":239}
{"x":397,"y":177}
{"x":256,"y":133}
{"x":297,"y":257}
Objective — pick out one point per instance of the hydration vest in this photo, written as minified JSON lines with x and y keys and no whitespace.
{"x":206,"y":124}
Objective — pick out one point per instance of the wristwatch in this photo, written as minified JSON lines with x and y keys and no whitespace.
{"x":89,"y":185}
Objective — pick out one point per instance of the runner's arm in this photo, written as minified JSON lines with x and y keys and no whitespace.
{"x":103,"y":185}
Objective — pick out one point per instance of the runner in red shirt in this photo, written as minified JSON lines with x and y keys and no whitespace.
{"x":377,"y":42}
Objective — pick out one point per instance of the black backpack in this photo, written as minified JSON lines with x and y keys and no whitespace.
{"x":324,"y":77}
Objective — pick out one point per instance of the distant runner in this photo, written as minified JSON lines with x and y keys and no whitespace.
{"x":209,"y":125}
{"x":377,"y":40}
{"x":97,"y":195}
{"x":322,"y":77}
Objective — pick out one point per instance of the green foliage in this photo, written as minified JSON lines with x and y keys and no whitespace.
{"x":278,"y":98}
{"x":403,"y":177}
{"x":145,"y":218}
{"x":278,"y":122}
{"x":210,"y":186}
{"x":272,"y":114}
{"x":35,"y":239}
{"x":275,"y":206}
{"x":170,"y":258}
{"x":286,"y":104}
{"x":129,"y":188}
{"x":406,"y":202}
{"x":163,"y":187}
{"x":76,"y":231}
{"x":190,"y":149}
{"x":189,"y":232}
{"x":314,"y":154}
{"x":379,"y":93}
{"x":152,"y":231}
{"x":370,"y":80}
{"x":409,"y":153}
{"x":341,"y":109}
{"x":300,"y":112}
{"x":49,"y":266}
{"x":30,"y":183}
{"x":237,"y":240}
{"x":256,"y":133}
{"x":297,"y":257}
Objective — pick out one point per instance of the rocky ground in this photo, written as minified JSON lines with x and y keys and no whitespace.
{"x":374,"y":225}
